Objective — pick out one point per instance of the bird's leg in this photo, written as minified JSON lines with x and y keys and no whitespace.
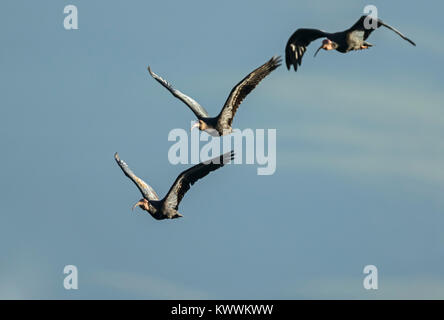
{"x":366,"y":45}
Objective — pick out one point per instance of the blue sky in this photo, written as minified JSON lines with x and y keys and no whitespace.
{"x":360,"y":153}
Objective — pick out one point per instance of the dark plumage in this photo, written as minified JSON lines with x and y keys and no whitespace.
{"x":222,"y":123}
{"x":168,"y":207}
{"x":345,"y":41}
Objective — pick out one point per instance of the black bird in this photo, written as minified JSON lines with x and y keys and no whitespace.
{"x":345,"y":41}
{"x":168,"y":206}
{"x":221,"y":124}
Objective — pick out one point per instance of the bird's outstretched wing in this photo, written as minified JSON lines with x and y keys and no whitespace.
{"x":187,"y":178}
{"x":243,"y":88}
{"x":198,"y":110}
{"x":144,"y":188}
{"x":361,"y":25}
{"x":298,"y":43}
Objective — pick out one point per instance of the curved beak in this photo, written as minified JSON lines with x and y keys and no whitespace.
{"x":321,"y":47}
{"x":137,"y":204}
{"x":195,"y":125}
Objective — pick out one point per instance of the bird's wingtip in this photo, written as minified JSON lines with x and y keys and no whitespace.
{"x":288,"y":64}
{"x":277,"y":59}
{"x":227,"y":157}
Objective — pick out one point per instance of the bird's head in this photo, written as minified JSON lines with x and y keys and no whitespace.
{"x":142,"y":204}
{"x":200,"y":124}
{"x":327,"y":45}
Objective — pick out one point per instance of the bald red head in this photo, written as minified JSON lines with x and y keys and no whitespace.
{"x":326,"y":42}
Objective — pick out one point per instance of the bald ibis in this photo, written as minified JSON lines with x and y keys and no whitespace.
{"x":221,"y":125}
{"x":168,"y":207}
{"x":351,"y":39}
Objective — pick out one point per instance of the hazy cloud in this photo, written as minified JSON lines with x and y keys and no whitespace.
{"x":147,"y":286}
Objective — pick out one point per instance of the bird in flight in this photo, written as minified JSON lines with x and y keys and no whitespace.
{"x":221,"y":125}
{"x":168,"y":207}
{"x":351,"y":39}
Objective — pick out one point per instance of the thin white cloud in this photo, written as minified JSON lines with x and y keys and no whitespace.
{"x":389,"y":287}
{"x":10,"y":291}
{"x":27,"y":276}
{"x":366,"y":166}
{"x":361,"y":126}
{"x":147,"y":286}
